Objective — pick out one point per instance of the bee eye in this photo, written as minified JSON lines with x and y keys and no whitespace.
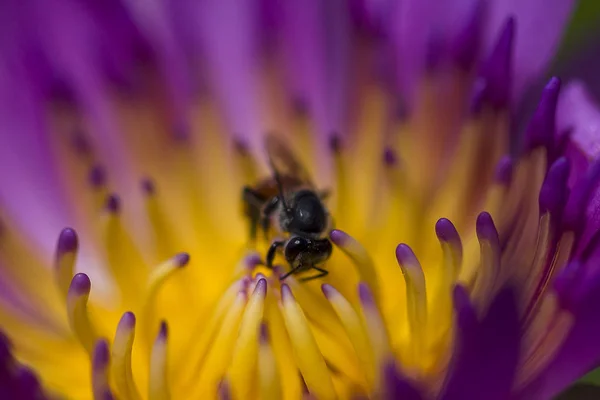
{"x":295,"y":246}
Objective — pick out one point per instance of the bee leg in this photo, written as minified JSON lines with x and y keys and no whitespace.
{"x":291,"y":272}
{"x":271,"y":253}
{"x":322,"y":273}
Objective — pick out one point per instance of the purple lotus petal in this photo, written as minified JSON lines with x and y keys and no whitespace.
{"x":396,"y":386}
{"x":413,"y":24}
{"x":578,"y":114}
{"x":580,"y":352}
{"x":540,"y":24}
{"x":486,"y":352}
{"x":225,"y":34}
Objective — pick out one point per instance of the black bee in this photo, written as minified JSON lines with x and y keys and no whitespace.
{"x":289,"y":202}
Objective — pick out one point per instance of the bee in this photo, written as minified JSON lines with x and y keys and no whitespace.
{"x":289,"y":203}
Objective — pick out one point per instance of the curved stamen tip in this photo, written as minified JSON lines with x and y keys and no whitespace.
{"x":261,"y":287}
{"x":252,"y":261}
{"x":148,"y":186}
{"x":113,"y":203}
{"x":101,"y":356}
{"x":264,"y":332}
{"x":445,"y":231}
{"x":286,"y":293}
{"x":182,"y":259}
{"x":97,"y":176}
{"x":163,"y":331}
{"x":80,"y":284}
{"x":405,"y":255}
{"x":553,"y":194}
{"x":541,"y":128}
{"x":497,"y":69}
{"x":486,"y":230}
{"x":241,"y":147}
{"x":67,"y":241}
{"x":365,"y":295}
{"x":504,"y":170}
{"x":390,"y":158}
{"x":460,"y":297}
{"x":338,"y":237}
{"x":127,"y":319}
{"x":327,"y":290}
{"x":223,"y":392}
{"x":335,"y":142}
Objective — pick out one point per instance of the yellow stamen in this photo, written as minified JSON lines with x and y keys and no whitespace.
{"x":158,"y":385}
{"x":100,"y":367}
{"x":64,"y":261}
{"x":268,"y":376}
{"x":242,"y":369}
{"x":306,"y":353}
{"x":79,"y":320}
{"x":360,"y":257}
{"x":221,"y":349}
{"x":375,"y":328}
{"x":355,"y":331}
{"x":121,"y":355}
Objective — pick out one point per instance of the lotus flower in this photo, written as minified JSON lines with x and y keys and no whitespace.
{"x":464,"y":262}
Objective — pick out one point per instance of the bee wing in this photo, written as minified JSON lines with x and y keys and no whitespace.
{"x":284,"y":163}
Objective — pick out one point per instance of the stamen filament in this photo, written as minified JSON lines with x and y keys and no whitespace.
{"x":268,"y":376}
{"x":355,"y":331}
{"x":243,"y":364}
{"x":158,"y":385}
{"x":359,"y":256}
{"x":77,"y":312}
{"x":121,"y":355}
{"x":100,"y":367}
{"x":375,"y":328}
{"x":64,"y":261}
{"x":308,"y":356}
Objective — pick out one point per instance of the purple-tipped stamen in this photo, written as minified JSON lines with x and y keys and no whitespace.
{"x":365,"y":295}
{"x":486,"y":230}
{"x":113,"y":203}
{"x":148,"y":187}
{"x":163,"y":331}
{"x":327,"y":290}
{"x":80,"y":284}
{"x":101,"y":356}
{"x":541,"y":130}
{"x":263,"y":334}
{"x":405,"y":255}
{"x":390,"y":158}
{"x":496,"y":73}
{"x":182,"y":259}
{"x":67,"y":241}
{"x":504,"y":170}
{"x":466,"y":46}
{"x":554,"y":192}
{"x":97,"y":176}
{"x":127,"y":320}
{"x":286,"y":293}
